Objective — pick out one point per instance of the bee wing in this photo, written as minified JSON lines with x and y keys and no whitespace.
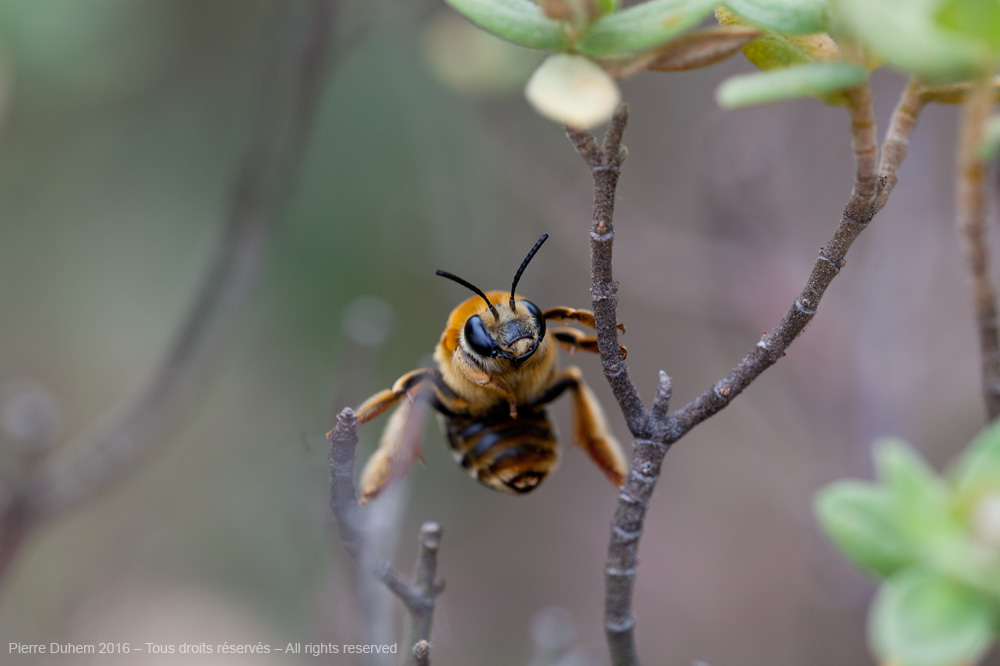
{"x":398,"y":448}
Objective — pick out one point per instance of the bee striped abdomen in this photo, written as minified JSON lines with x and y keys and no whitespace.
{"x":509,"y":455}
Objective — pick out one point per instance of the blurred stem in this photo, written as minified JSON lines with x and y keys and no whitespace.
{"x":425,"y":580}
{"x":897,"y":140}
{"x":294,"y":66}
{"x":419,"y":595}
{"x":970,"y":187}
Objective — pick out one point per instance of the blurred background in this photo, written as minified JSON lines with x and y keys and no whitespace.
{"x":121,"y":128}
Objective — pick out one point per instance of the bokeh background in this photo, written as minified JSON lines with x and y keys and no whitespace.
{"x":121,"y":125}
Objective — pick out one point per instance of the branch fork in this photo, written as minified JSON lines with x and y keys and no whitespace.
{"x":654,"y":430}
{"x":419,"y":592}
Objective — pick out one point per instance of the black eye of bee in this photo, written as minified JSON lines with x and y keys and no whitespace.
{"x":479,"y":339}
{"x":536,"y":314}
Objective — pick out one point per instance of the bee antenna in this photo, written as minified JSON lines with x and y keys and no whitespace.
{"x":466,"y":283}
{"x":524,"y":264}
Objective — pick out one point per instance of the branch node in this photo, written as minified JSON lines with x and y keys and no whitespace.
{"x":642,"y":478}
{"x":620,"y":573}
{"x":803,"y":307}
{"x":626,"y":536}
{"x":723,"y":390}
{"x":602,"y":237}
{"x":850,"y":220}
{"x":837,"y":265}
{"x":620,"y":627}
{"x":628,"y":499}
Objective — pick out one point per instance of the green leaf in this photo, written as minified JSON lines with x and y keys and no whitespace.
{"x":814,"y":79}
{"x":975,"y":18}
{"x":606,"y":6}
{"x":789,"y":16}
{"x":920,"y":619}
{"x":911,"y":37}
{"x":966,"y":561}
{"x":642,"y":26}
{"x":774,"y":50}
{"x":858,"y":518}
{"x":519,"y":21}
{"x":920,"y":500}
{"x":978,"y":469}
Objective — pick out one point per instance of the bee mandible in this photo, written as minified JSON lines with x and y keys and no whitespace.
{"x":496,"y":371}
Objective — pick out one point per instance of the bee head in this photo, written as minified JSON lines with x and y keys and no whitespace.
{"x":509,"y":330}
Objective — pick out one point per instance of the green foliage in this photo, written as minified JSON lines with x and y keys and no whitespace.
{"x":606,"y":6}
{"x":519,"y":21}
{"x":858,"y":517}
{"x":788,"y":16}
{"x":920,"y":503}
{"x":643,"y":26}
{"x":991,"y":140}
{"x":814,"y":79}
{"x":939,"y":41}
{"x":978,"y":470}
{"x":935,"y":542}
{"x":919,"y":619}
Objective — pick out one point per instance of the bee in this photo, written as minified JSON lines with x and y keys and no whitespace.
{"x":496,"y":371}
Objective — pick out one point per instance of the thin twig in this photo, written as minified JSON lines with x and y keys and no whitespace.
{"x":426,"y":581}
{"x":422,"y":653}
{"x":897,"y":140}
{"x":605,"y":165}
{"x":633,"y":500}
{"x":418,"y":596}
{"x":294,"y":70}
{"x":858,"y":213}
{"x":656,"y":429}
{"x":970,"y":186}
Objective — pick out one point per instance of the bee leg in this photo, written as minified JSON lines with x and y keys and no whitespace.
{"x":590,"y":430}
{"x":571,"y":339}
{"x":400,"y":442}
{"x":385,"y":400}
{"x":398,"y":448}
{"x":582,"y":317}
{"x":481,"y":378}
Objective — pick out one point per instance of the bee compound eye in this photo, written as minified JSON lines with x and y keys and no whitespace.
{"x":537,"y":316}
{"x":478,"y":338}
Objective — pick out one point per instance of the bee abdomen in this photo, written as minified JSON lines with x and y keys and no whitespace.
{"x":509,"y":455}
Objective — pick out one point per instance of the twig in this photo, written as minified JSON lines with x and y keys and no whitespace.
{"x":294,"y":68}
{"x":897,"y":140}
{"x":656,"y":429}
{"x":858,"y":213}
{"x":422,"y":653}
{"x":970,"y":187}
{"x":605,"y":165}
{"x":426,"y":581}
{"x":418,"y":596}
{"x":619,"y":578}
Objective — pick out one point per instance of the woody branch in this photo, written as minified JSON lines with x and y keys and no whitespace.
{"x":418,"y":595}
{"x":970,"y":188}
{"x":654,"y":430}
{"x":294,"y":65}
